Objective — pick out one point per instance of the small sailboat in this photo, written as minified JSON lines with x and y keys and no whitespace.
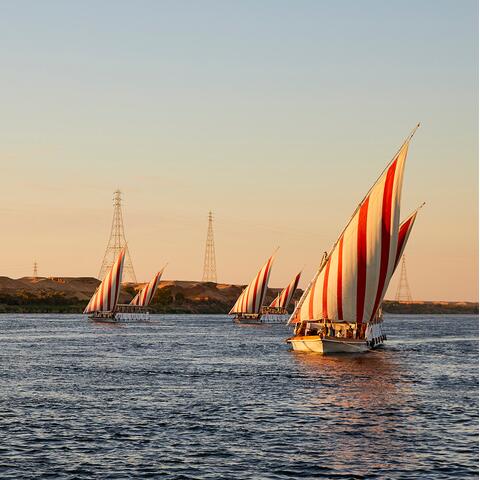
{"x":282,"y":300}
{"x":247,"y":308}
{"x":340,"y":311}
{"x":137,"y":309}
{"x":104,"y":306}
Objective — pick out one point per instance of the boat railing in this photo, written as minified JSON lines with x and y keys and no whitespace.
{"x":274,"y":311}
{"x":121,"y":308}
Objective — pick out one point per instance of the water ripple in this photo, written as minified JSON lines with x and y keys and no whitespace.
{"x":187,"y":397}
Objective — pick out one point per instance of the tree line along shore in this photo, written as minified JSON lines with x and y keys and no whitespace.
{"x":71,"y":294}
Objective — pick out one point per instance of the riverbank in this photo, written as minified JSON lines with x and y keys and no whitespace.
{"x":71,"y":294}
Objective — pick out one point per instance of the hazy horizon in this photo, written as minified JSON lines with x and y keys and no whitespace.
{"x":277,"y":116}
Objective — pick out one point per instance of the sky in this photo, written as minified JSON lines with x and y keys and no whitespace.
{"x":276,"y":115}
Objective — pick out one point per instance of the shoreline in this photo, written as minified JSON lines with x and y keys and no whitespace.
{"x":70,"y":295}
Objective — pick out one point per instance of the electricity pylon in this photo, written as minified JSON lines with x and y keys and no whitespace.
{"x":209,"y":264}
{"x":35,"y":269}
{"x":116,"y":243}
{"x":403,"y":290}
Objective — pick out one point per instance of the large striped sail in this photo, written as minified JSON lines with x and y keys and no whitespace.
{"x":105,"y":297}
{"x":145,"y":296}
{"x":251,"y":299}
{"x":283,"y":300}
{"x":353,"y":278}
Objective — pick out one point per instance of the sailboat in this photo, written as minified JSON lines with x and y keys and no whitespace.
{"x":247,"y":308}
{"x":137,"y":309}
{"x":282,"y":300}
{"x":340,"y":311}
{"x":104,"y":306}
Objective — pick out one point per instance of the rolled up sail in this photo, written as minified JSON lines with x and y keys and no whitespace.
{"x":353,"y":279}
{"x":145,"y":296}
{"x":283,"y":300}
{"x":251,"y":299}
{"x":105,"y":297}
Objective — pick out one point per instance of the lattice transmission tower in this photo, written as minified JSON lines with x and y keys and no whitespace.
{"x":35,"y":269}
{"x":209,"y":264}
{"x":403,"y":290}
{"x":116,"y":243}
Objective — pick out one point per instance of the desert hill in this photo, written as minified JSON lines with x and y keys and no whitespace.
{"x":71,"y":294}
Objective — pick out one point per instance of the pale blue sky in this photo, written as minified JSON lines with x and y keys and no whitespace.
{"x":277,"y":115}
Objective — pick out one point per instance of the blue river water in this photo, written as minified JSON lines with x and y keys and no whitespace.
{"x":198,"y":397}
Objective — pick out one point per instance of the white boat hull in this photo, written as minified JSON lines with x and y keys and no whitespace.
{"x":261,"y":320}
{"x":374,"y":337}
{"x":275,"y":319}
{"x":132,"y":317}
{"x":248,"y":318}
{"x":121,"y":317}
{"x":315,"y":344}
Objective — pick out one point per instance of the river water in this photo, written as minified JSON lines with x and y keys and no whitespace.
{"x":197,"y":397}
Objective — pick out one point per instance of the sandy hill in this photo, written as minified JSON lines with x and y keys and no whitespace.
{"x":71,"y":294}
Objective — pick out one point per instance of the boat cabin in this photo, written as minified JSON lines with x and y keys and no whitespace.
{"x":328,"y":329}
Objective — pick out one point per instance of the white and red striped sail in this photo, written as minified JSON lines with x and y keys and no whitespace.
{"x":353,"y":279}
{"x":283,"y":300}
{"x":403,"y":234}
{"x":251,"y":299}
{"x":145,"y":296}
{"x":106,"y":296}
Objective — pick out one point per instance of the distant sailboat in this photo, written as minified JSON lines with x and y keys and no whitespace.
{"x":282,"y":300}
{"x":340,"y":311}
{"x":247,"y":308}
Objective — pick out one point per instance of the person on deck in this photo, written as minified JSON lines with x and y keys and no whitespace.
{"x":332,"y":330}
{"x":327,"y":329}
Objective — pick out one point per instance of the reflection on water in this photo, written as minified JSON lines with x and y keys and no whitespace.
{"x":367,"y":396}
{"x":201,"y":397}
{"x":368,"y":378}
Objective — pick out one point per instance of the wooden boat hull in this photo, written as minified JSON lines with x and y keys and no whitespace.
{"x":315,"y":344}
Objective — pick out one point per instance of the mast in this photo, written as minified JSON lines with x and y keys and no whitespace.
{"x":358,"y":297}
